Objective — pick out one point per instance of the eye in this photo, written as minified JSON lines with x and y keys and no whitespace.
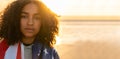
{"x":37,"y":17}
{"x":24,"y":16}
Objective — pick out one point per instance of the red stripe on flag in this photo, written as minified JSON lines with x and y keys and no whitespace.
{"x":3,"y":48}
{"x":19,"y":52}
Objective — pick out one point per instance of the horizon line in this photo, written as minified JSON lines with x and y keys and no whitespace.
{"x":89,"y":17}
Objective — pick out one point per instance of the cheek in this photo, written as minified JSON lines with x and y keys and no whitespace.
{"x":22,"y":24}
{"x":38,"y":26}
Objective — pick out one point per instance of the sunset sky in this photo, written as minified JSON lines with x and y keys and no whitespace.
{"x":85,"y":7}
{"x":81,"y":7}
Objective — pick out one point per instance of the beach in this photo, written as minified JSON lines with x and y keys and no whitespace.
{"x":89,"y":40}
{"x":89,"y":50}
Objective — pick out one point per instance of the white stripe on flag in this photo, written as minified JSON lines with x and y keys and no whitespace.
{"x":11,"y":52}
{"x":22,"y":48}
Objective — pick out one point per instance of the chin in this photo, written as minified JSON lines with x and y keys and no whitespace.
{"x":29,"y":35}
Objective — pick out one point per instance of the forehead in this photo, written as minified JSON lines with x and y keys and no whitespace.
{"x":30,"y":8}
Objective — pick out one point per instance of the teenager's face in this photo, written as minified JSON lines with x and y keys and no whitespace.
{"x":30,"y":21}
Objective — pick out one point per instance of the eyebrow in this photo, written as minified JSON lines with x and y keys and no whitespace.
{"x":28,"y":13}
{"x":24,"y":13}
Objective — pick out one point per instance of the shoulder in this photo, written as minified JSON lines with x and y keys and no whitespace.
{"x":53,"y":52}
{"x":3,"y":48}
{"x":3,"y":45}
{"x":3,"y":42}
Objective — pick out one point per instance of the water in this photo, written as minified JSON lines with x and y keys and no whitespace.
{"x":72,"y":31}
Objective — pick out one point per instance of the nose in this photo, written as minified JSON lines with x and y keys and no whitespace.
{"x":30,"y":21}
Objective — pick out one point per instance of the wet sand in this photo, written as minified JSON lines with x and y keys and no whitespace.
{"x":89,"y":50}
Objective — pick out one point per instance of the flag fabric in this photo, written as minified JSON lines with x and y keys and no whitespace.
{"x":16,"y":51}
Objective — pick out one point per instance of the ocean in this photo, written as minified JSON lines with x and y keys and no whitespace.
{"x":72,"y":31}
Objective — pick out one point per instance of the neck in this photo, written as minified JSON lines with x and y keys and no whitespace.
{"x":28,"y":40}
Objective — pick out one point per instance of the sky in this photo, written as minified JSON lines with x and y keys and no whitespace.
{"x":85,"y":7}
{"x":81,"y":7}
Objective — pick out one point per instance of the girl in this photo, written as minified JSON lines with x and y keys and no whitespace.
{"x":28,"y":29}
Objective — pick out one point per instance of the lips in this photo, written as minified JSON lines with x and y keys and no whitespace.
{"x":29,"y":30}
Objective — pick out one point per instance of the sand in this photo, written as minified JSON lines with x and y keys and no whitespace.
{"x":89,"y":50}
